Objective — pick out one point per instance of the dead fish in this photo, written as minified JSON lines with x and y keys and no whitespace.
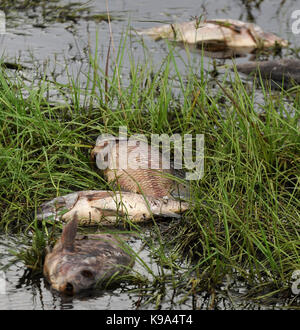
{"x":217,"y":34}
{"x":80,"y":262}
{"x":104,"y":207}
{"x":144,"y":170}
{"x":284,"y":70}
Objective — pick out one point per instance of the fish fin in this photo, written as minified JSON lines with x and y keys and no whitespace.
{"x":171,"y":215}
{"x":98,"y":195}
{"x":109,"y":212}
{"x":69,"y":234}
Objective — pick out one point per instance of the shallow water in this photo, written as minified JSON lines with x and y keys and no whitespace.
{"x":43,"y":45}
{"x":19,"y":290}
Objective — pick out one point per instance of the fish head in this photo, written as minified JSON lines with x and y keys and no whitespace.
{"x":52,"y":208}
{"x":265,"y":39}
{"x":80,"y":262}
{"x":67,"y":270}
{"x":69,"y":274}
{"x":270,"y":40}
{"x":106,"y":151}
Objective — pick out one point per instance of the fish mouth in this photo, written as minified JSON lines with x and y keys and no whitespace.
{"x":68,"y":289}
{"x":81,"y":280}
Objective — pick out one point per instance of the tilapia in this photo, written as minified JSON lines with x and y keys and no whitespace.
{"x":80,"y":262}
{"x":284,"y":70}
{"x":138,"y":167}
{"x":105,"y":207}
{"x":217,"y":34}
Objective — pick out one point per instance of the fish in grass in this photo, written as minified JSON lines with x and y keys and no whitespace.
{"x":217,"y":35}
{"x":106,"y":207}
{"x":143,"y":170}
{"x":284,"y":72}
{"x":79,"y":262}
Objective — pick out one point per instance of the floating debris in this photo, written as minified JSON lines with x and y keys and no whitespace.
{"x":80,"y":262}
{"x":286,"y":71}
{"x":105,"y":207}
{"x":141,"y":169}
{"x":218,"y":35}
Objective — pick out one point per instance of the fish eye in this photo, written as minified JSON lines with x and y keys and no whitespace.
{"x":87,"y":273}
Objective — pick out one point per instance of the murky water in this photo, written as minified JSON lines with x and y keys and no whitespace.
{"x":19,"y":290}
{"x":36,"y":40}
{"x":44,"y":45}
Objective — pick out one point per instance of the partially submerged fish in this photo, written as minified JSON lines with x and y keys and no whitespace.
{"x":104,"y":207}
{"x":80,"y":262}
{"x":138,"y":167}
{"x":284,"y":70}
{"x":217,"y":34}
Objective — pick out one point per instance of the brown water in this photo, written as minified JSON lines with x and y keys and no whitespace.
{"x":46,"y":46}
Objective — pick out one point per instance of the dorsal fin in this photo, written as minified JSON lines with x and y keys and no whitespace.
{"x":69,"y":234}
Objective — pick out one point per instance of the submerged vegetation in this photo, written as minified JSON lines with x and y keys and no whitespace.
{"x":243,"y":222}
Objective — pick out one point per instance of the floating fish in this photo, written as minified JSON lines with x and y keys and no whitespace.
{"x":104,"y":207}
{"x":80,"y":262}
{"x":217,"y":35}
{"x":284,"y":70}
{"x":138,"y":167}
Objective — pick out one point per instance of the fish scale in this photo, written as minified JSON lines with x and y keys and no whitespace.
{"x":143,"y":174}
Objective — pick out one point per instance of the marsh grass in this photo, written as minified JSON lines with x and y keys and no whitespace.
{"x":244,"y":215}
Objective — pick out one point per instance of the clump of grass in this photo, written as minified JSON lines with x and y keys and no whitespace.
{"x":33,"y":256}
{"x":244,"y":215}
{"x":247,"y":204}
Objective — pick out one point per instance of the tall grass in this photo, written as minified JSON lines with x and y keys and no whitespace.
{"x":244,"y":215}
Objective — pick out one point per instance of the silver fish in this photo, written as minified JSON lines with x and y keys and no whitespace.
{"x":104,"y":207}
{"x":80,"y":262}
{"x":144,"y":169}
{"x":217,"y":34}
